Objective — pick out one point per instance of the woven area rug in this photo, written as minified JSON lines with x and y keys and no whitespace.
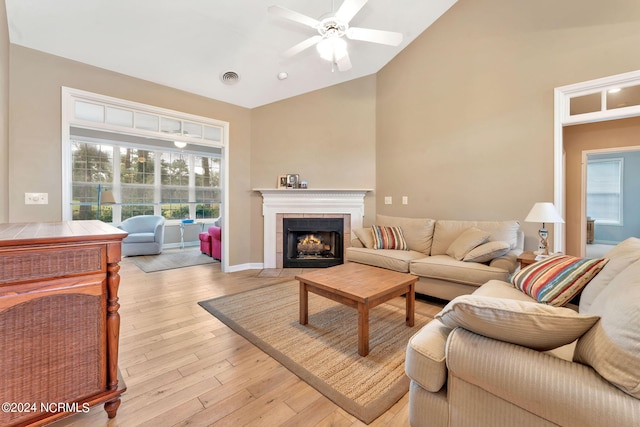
{"x":170,"y":260}
{"x":324,"y":353}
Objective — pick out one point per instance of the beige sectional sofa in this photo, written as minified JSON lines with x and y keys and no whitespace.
{"x":431,"y":246}
{"x":558,"y":370}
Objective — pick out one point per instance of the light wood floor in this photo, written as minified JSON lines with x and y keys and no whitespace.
{"x":182,"y":366}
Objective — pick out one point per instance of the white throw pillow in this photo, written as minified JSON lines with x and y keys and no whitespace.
{"x":365,"y":236}
{"x":487,"y":251}
{"x":465,"y":242}
{"x":529,"y":324}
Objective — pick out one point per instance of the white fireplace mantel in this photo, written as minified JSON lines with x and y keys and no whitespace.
{"x":305,"y":201}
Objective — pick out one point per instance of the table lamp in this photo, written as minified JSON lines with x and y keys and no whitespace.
{"x":543,"y":212}
{"x":104,"y":198}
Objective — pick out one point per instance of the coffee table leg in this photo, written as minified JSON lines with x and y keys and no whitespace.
{"x":411,"y":304}
{"x":304,"y":304}
{"x":363,"y":329}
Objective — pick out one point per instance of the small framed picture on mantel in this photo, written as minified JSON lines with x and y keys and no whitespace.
{"x":292,"y":180}
{"x":282,"y":182}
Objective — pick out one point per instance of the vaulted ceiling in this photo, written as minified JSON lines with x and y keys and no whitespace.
{"x":191,"y":44}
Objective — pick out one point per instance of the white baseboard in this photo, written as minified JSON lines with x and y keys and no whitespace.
{"x":242,"y":267}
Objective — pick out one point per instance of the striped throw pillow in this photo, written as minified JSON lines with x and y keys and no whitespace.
{"x":557,"y":279}
{"x":388,"y":238}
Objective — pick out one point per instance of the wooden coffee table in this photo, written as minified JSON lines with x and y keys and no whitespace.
{"x":359,"y":286}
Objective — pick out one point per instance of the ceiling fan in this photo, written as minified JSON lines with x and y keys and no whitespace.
{"x":329,"y":41}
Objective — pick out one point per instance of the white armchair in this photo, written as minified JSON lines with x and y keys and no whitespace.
{"x":146,"y":235}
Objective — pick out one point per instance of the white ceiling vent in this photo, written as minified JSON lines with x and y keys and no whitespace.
{"x":229,"y":77}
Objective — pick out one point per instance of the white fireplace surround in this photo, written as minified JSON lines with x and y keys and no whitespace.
{"x":306,"y":201}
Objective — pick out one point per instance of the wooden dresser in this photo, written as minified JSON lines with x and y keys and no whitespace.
{"x":59,"y":321}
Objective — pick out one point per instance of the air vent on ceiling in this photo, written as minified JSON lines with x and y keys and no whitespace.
{"x":229,"y":77}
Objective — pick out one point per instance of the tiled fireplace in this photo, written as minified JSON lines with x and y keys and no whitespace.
{"x":277,"y":205}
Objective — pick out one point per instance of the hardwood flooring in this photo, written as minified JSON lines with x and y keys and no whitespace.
{"x":183,"y":367}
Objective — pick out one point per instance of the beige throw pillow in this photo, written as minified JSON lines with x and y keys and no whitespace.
{"x":529,"y":324}
{"x":468,"y":240}
{"x":365,"y":235}
{"x":487,"y":251}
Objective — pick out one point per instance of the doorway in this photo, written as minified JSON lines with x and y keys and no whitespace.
{"x":596,"y":139}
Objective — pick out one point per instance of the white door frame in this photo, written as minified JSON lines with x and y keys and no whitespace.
{"x":562,"y":117}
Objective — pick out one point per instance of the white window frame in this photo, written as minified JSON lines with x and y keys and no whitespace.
{"x":68,"y":98}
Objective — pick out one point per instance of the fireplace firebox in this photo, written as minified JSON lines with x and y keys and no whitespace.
{"x":312,"y":242}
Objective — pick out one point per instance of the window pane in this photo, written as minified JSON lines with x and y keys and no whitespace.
{"x":212,"y":133}
{"x":147,"y":121}
{"x":92,"y":166}
{"x":604,"y":190}
{"x":170,"y":125}
{"x":175,"y":169}
{"x":120,"y":117}
{"x":91,"y":112}
{"x":136,"y":166}
{"x":625,"y":97}
{"x":585,"y":104}
{"x":193,"y":129}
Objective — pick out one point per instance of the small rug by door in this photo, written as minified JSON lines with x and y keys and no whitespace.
{"x":324,"y":353}
{"x":169,"y":260}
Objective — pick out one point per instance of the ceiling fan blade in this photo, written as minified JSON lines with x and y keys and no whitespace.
{"x":375,"y":36}
{"x":349,"y":9}
{"x":293,"y":16}
{"x":305,"y":44}
{"x":344,"y":63}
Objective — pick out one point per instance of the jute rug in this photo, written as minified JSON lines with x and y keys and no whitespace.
{"x":170,"y":260}
{"x":324,"y":353}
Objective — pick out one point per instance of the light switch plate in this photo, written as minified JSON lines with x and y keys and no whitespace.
{"x":36,"y":198}
{"x":388,"y":200}
{"x":405,"y":200}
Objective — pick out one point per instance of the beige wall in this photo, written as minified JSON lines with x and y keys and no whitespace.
{"x":327,"y":136}
{"x":592,"y":136}
{"x":465,"y":113}
{"x":35,"y":134}
{"x":4,"y":114}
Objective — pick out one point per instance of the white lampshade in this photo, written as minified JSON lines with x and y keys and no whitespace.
{"x":107,"y":198}
{"x":332,"y":48}
{"x":544,"y":212}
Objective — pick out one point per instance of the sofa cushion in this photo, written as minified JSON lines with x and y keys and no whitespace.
{"x":620,"y":257}
{"x":444,"y":267}
{"x":388,"y":238}
{"x":384,"y":258}
{"x":139,"y":238}
{"x":418,"y":232}
{"x":446,"y":231}
{"x":557,"y":279}
{"x":469,"y":239}
{"x":425,"y":360}
{"x":530,"y":324}
{"x":365,"y":235}
{"x":612,"y":346}
{"x":487,"y":251}
{"x":501,"y":289}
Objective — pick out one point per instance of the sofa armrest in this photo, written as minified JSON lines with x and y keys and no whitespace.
{"x":562,"y":392}
{"x":425,"y":359}
{"x":508,"y":262}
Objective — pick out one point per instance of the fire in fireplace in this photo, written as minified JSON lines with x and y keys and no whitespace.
{"x":312,"y":242}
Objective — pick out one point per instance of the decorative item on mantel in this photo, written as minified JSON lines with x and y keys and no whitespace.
{"x":291,"y":180}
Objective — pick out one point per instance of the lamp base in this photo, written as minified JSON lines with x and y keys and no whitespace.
{"x":543,"y":245}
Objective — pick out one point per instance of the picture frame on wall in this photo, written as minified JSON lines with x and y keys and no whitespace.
{"x":292,"y":180}
{"x":282,"y":181}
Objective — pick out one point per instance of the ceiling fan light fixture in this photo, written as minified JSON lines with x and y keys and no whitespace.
{"x":332,"y":48}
